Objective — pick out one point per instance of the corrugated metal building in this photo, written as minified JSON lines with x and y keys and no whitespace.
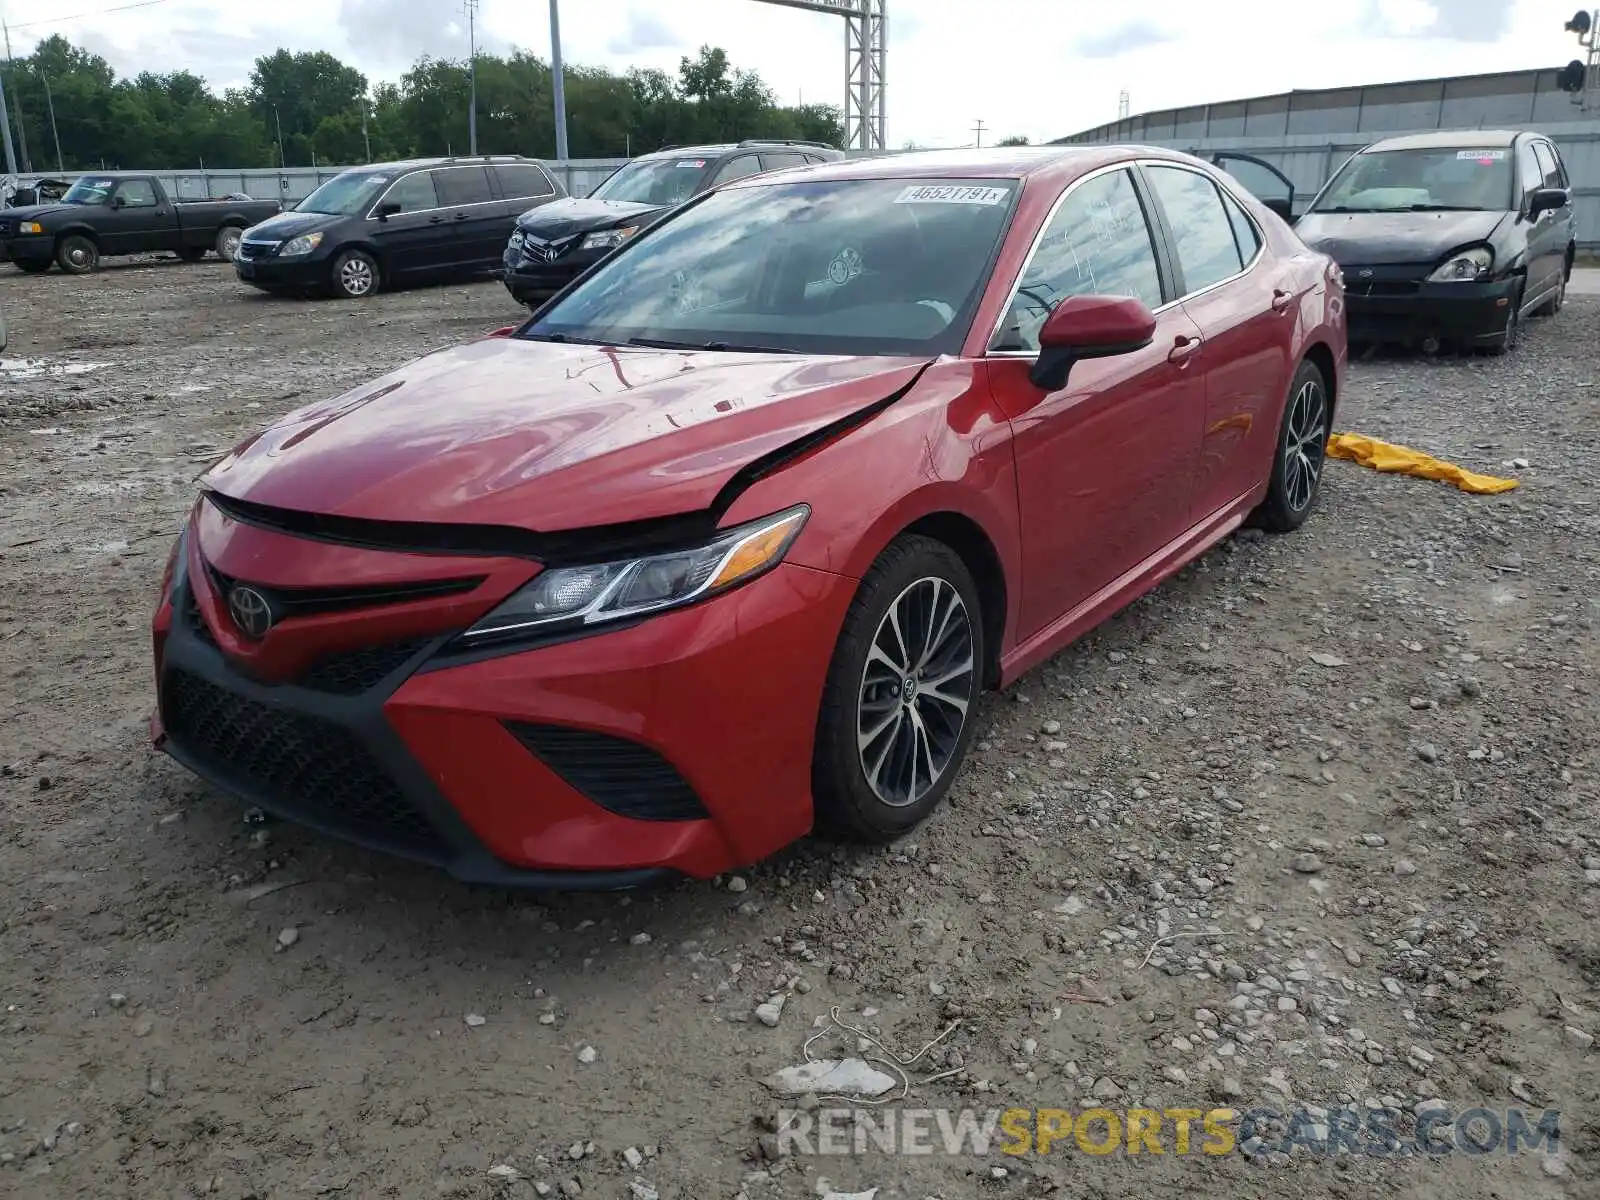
{"x":1308,"y":134}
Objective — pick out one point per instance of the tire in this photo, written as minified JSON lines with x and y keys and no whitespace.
{"x":35,"y":268}
{"x":915,"y":579}
{"x":1302,"y":453}
{"x":227,"y":243}
{"x":192,"y":254}
{"x":77,"y":255}
{"x":3,"y":334}
{"x":355,"y":275}
{"x":1508,"y":338}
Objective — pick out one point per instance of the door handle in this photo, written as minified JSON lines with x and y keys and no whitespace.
{"x":434,"y":220}
{"x":1182,"y":347}
{"x":460,"y":216}
{"x":1281,"y":299}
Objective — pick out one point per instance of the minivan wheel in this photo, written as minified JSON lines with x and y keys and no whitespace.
{"x":77,"y":255}
{"x":355,"y":275}
{"x":1302,"y":450}
{"x":901,"y":695}
{"x":1558,"y":301}
{"x":1512,"y":333}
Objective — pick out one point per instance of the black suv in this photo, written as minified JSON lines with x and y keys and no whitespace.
{"x":556,"y":243}
{"x":396,"y":223}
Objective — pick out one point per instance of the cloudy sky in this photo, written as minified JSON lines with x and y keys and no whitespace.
{"x":1044,"y":69}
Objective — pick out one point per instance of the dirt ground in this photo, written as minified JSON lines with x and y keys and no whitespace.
{"x":1358,"y":761}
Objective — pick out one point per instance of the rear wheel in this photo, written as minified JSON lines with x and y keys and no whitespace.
{"x":77,"y":255}
{"x":1302,"y":450}
{"x":901,"y":693}
{"x":355,"y":275}
{"x":227,"y":243}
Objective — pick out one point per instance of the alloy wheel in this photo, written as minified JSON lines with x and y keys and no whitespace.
{"x":229,"y":250}
{"x":355,"y":276}
{"x":1305,"y":444}
{"x":917,"y":688}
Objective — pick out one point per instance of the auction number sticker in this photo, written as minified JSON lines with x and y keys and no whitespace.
{"x":695,"y":163}
{"x":945,"y":193}
{"x":1481,"y":155}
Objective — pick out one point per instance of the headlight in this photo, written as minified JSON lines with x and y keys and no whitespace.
{"x":590,"y":595}
{"x":606,"y":239}
{"x":304,"y":244}
{"x":516,"y":239}
{"x":1464,"y":267}
{"x":30,"y":227}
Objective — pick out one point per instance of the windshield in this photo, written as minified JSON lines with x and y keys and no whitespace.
{"x":345,"y":195}
{"x":1466,"y":178}
{"x":867,"y":266}
{"x":658,"y":181}
{"x":91,"y":189}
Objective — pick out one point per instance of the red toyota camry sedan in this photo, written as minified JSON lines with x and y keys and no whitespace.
{"x":724,"y":542}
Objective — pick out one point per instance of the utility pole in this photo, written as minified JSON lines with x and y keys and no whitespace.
{"x":365,"y":140}
{"x":978,"y":129}
{"x":558,"y":84}
{"x":277,"y":121}
{"x":5,"y":130}
{"x":22,"y":131}
{"x":55,"y":134}
{"x":470,"y":7}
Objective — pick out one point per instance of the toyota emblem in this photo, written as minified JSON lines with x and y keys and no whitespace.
{"x":250,"y":611}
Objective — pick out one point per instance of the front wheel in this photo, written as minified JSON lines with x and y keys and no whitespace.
{"x":1558,"y":301}
{"x":1302,"y":449}
{"x":1508,"y":338}
{"x":77,"y":255}
{"x":355,"y":275}
{"x":901,"y":693}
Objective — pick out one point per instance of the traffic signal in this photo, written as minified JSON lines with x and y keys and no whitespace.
{"x":1570,"y":77}
{"x":1579,"y":24}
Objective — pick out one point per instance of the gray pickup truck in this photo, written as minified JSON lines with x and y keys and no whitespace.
{"x":112,"y":213}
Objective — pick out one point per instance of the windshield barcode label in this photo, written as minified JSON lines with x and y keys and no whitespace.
{"x":1484,"y":155}
{"x":952,"y":194}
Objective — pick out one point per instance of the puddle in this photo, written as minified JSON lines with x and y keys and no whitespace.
{"x":43,"y":368}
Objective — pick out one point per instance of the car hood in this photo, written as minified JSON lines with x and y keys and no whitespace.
{"x":32,"y":212}
{"x":291,"y":224}
{"x":563,"y":218}
{"x":1395,"y":237}
{"x":548,"y":437}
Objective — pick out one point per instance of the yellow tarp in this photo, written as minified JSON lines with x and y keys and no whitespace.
{"x":1402,"y":460}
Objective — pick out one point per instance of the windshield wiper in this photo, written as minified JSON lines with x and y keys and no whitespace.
{"x":660,"y":344}
{"x":562,"y":337}
{"x":1443,"y":208}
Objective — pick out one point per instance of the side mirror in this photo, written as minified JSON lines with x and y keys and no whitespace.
{"x":387,"y":209}
{"x":1543,"y":200}
{"x":1089,"y":327}
{"x":118,"y":202}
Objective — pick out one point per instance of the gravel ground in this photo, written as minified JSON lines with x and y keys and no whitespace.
{"x":1357,"y":762}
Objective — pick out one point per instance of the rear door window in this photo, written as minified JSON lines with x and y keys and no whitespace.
{"x":1202,"y":234}
{"x":523,"y":181}
{"x":462,"y":185}
{"x":786,"y":158}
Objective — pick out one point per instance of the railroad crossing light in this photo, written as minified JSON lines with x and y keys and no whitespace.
{"x":1570,"y":77}
{"x":1579,"y":23}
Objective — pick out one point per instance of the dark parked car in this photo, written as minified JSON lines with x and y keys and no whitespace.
{"x":395,"y":224}
{"x":555,"y":244}
{"x":112,"y":213}
{"x":1447,"y":237}
{"x":729,"y":539}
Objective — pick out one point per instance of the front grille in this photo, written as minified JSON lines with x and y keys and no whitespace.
{"x":194,"y":619}
{"x":286,"y":603}
{"x":620,"y":776}
{"x":308,"y":768}
{"x":256,"y":249}
{"x":1384,"y":279}
{"x":5,"y":229}
{"x":354,"y":672}
{"x":1382,"y":287}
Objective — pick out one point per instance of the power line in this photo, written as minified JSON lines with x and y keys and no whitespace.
{"x":80,"y":16}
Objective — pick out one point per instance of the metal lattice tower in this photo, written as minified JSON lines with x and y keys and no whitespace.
{"x":866,"y":29}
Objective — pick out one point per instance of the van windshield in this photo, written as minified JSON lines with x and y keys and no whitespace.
{"x":658,"y":181}
{"x":1465,"y":178}
{"x":345,"y":195}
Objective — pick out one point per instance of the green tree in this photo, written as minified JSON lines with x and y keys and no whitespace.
{"x":1015,"y":140}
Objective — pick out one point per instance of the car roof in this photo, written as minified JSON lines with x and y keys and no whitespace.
{"x":717,"y":149}
{"x":412,"y":164}
{"x":1450,"y":139}
{"x":1008,"y":162}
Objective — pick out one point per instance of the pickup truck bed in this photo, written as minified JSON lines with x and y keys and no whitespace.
{"x":111,"y":214}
